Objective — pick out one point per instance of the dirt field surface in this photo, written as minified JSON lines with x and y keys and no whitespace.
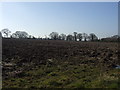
{"x":32,"y":63}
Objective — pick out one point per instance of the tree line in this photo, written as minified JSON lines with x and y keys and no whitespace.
{"x":75,"y":37}
{"x":6,"y":33}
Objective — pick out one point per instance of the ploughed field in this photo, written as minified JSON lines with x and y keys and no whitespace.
{"x":32,"y":63}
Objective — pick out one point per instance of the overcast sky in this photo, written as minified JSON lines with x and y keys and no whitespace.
{"x":42,"y":18}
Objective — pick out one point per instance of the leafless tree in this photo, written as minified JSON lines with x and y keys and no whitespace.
{"x":93,"y":37}
{"x":63,"y":36}
{"x":6,"y":32}
{"x":30,"y":36}
{"x":59,"y":37}
{"x":85,"y":36}
{"x":79,"y":36}
{"x":14,"y":35}
{"x":54,"y":35}
{"x":20,"y":34}
{"x":69,"y":37}
{"x":75,"y":36}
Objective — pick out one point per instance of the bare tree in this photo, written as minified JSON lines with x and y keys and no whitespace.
{"x":14,"y":35}
{"x":75,"y":36}
{"x":20,"y":34}
{"x":54,"y":35}
{"x":79,"y":36}
{"x":69,"y":37}
{"x":30,"y":36}
{"x":93,"y":37}
{"x":85,"y":36}
{"x":63,"y":36}
{"x":6,"y":32}
{"x":59,"y":37}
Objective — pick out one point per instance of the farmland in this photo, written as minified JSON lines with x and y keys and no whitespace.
{"x":33,"y":63}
